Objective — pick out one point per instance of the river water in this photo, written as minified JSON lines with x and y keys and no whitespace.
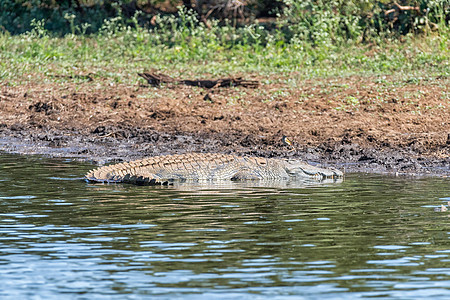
{"x":368,"y":236}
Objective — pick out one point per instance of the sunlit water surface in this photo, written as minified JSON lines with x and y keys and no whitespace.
{"x":368,"y":236}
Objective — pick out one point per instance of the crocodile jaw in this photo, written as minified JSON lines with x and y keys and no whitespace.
{"x":297,"y":168}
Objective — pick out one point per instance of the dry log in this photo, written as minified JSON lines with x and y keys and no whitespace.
{"x":156,"y":79}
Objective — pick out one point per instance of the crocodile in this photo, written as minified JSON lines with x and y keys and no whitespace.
{"x":164,"y":169}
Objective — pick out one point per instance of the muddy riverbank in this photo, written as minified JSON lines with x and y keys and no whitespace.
{"x":368,"y":124}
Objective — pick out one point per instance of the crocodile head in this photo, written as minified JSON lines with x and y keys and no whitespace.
{"x":298,"y":168}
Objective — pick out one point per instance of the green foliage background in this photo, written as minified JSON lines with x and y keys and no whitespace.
{"x":113,"y":39}
{"x":314,"y":20}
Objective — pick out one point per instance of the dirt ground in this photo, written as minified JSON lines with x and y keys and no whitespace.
{"x":358,"y":124}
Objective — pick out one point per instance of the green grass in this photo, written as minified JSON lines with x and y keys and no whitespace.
{"x":188,"y":48}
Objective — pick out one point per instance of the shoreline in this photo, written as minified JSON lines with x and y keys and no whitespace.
{"x":107,"y":150}
{"x":353,"y":123}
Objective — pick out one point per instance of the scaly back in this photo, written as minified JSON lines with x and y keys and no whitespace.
{"x":194,"y":165}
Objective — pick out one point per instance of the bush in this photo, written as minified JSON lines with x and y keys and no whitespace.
{"x":16,"y":15}
{"x":323,"y":22}
{"x":336,"y":21}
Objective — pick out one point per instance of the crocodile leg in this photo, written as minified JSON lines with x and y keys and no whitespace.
{"x":245,"y":175}
{"x":147,"y":179}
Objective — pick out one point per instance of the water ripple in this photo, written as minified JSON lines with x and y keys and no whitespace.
{"x":368,"y":236}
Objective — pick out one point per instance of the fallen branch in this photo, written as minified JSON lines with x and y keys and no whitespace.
{"x":401,"y":8}
{"x":156,"y":79}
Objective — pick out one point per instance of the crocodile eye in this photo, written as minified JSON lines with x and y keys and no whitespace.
{"x":260,"y":161}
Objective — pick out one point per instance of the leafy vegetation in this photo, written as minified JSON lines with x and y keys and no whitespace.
{"x":312,"y":38}
{"x":312,"y":19}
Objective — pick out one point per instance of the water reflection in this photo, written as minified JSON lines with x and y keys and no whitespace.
{"x":368,"y":236}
